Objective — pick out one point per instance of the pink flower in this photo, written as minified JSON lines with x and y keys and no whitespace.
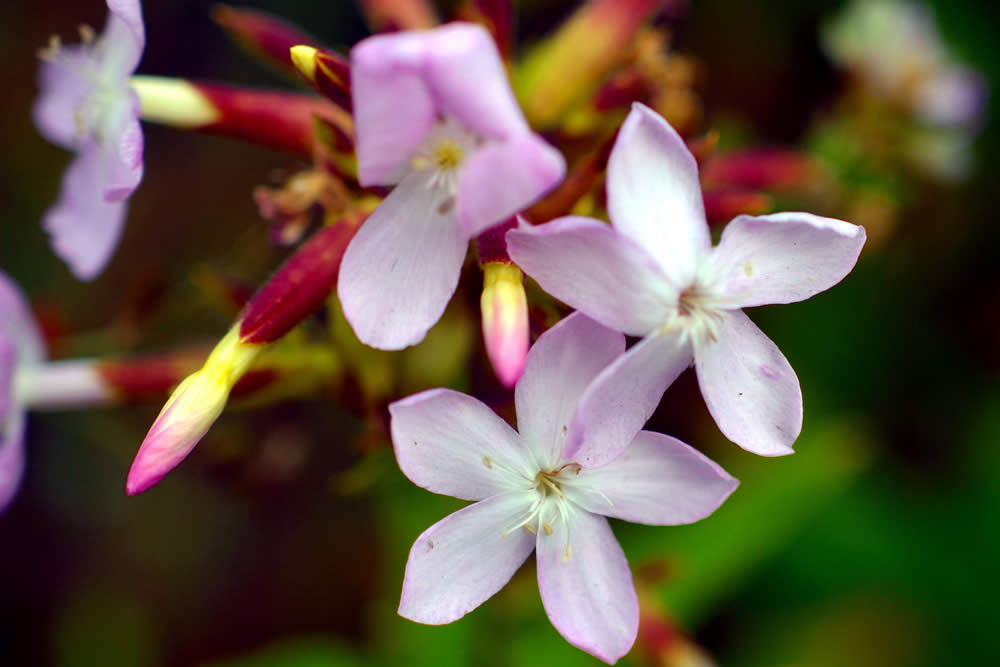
{"x":532,"y":495}
{"x":655,"y":274}
{"x":87,"y":105}
{"x":434,"y":116}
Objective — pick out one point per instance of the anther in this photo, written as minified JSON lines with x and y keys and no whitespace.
{"x":51,"y":52}
{"x":87,"y":34}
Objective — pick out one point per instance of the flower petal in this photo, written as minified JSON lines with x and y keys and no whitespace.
{"x":468,"y":81}
{"x":384,"y":70}
{"x":12,"y":456}
{"x":402,"y":267}
{"x":124,"y":34}
{"x":17,"y":324}
{"x":464,"y":559}
{"x":453,"y":444}
{"x":84,"y":227}
{"x":750,"y":388}
{"x":586,"y":584}
{"x":654,"y":196}
{"x":596,"y":270}
{"x":620,"y":400}
{"x":64,"y":83}
{"x":503,"y":178}
{"x":658,"y":480}
{"x":560,"y":365}
{"x":123,"y":159}
{"x":784,"y":257}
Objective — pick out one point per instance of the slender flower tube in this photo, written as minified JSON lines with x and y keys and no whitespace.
{"x":462,"y":159}
{"x":654,"y":274}
{"x":532,"y":495}
{"x":26,"y":381}
{"x":87,"y":105}
{"x":293,"y":293}
{"x":279,"y":120}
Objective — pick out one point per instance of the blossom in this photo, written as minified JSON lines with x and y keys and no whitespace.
{"x":654,"y":274}
{"x":532,"y":495}
{"x":87,"y":105}
{"x":435,"y":116}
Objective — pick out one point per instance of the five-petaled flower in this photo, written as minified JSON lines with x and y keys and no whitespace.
{"x":655,"y":274}
{"x":87,"y":105}
{"x":531,"y":495}
{"x":435,"y":116}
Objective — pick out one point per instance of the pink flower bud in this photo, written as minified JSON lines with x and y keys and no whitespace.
{"x":505,"y":320}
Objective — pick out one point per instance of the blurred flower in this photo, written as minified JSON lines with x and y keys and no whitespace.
{"x":87,"y":105}
{"x":450,"y":443}
{"x":655,"y":274}
{"x":894,"y":48}
{"x":462,"y":159}
{"x":26,"y":381}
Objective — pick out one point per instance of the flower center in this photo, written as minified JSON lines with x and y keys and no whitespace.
{"x":441,"y":155}
{"x":698,"y":316}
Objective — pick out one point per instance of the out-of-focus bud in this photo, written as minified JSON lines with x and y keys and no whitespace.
{"x":327,"y":72}
{"x":661,"y":643}
{"x":724,"y":204}
{"x":572,"y":63}
{"x":58,"y":385}
{"x":393,"y":15}
{"x":190,"y":412}
{"x":505,"y":320}
{"x":263,"y":35}
{"x":279,"y":120}
{"x":497,"y":16}
{"x":767,"y":168}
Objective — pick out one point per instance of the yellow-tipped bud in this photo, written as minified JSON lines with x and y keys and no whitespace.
{"x":304,"y":59}
{"x":505,"y":320}
{"x":191,"y":410}
{"x":174,"y":102}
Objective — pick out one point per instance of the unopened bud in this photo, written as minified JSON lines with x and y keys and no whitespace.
{"x":761,"y":168}
{"x":572,"y":63}
{"x":278,"y":120}
{"x":327,"y":72}
{"x":505,"y":320}
{"x":190,"y":412}
{"x":263,"y":35}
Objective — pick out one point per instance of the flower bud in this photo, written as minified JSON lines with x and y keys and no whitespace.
{"x":190,"y":412}
{"x":724,"y":204}
{"x":263,"y":35}
{"x":505,"y":320}
{"x":278,"y":120}
{"x":574,"y":61}
{"x":327,"y":72}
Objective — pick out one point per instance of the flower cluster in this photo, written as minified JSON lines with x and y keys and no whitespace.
{"x":419,"y":147}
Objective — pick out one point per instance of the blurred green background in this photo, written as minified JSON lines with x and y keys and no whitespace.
{"x":282,"y":541}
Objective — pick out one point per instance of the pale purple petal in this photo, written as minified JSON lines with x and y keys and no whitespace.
{"x":63,"y":87}
{"x":750,"y":388}
{"x":464,"y":559}
{"x":123,"y":159}
{"x":468,"y":81}
{"x":124,"y":34}
{"x":84,"y":227}
{"x":658,"y":480}
{"x":623,"y":397}
{"x":402,"y":267}
{"x":784,"y":257}
{"x":17,"y":324}
{"x":560,"y":365}
{"x":586,"y":584}
{"x":393,"y":107}
{"x":504,"y":178}
{"x":654,"y":195}
{"x":453,"y":444}
{"x":596,"y":270}
{"x":12,"y":455}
